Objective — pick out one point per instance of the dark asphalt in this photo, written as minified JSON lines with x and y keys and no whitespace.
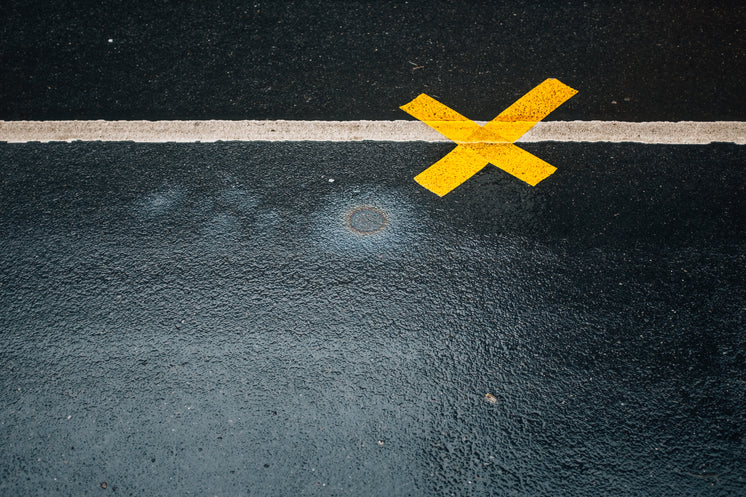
{"x":631,"y":60}
{"x":201,"y":320}
{"x":223,"y":319}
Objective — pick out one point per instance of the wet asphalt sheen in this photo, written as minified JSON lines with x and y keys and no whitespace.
{"x":224,"y":319}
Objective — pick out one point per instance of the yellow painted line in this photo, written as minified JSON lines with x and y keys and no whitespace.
{"x":491,"y":143}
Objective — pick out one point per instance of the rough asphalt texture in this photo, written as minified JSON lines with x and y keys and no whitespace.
{"x":201,"y":319}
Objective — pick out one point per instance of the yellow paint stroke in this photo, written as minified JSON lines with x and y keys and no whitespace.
{"x":491,"y":143}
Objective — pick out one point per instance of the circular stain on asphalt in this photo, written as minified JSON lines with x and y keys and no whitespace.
{"x":366,"y":220}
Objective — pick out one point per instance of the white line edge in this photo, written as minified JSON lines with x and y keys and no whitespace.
{"x":660,"y":132}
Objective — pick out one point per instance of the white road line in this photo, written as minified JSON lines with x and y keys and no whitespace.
{"x":676,"y":133}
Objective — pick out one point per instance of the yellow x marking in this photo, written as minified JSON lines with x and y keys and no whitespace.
{"x":491,"y":143}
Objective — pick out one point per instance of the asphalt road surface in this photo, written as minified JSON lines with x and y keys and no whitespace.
{"x":675,"y":60}
{"x":252,"y":318}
